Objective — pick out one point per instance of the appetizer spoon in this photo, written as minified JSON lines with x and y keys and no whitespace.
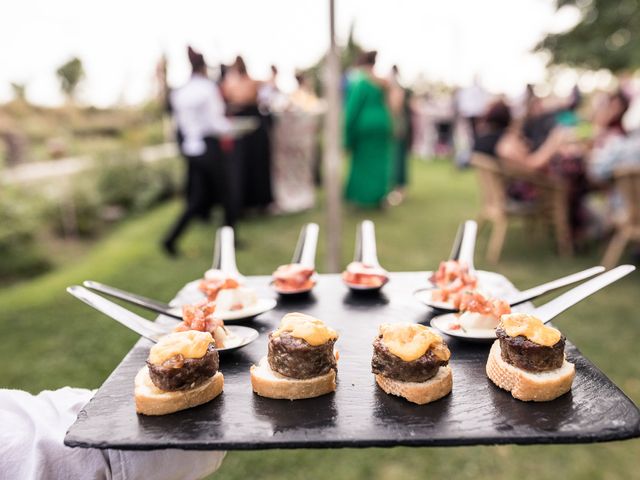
{"x":304,"y":254}
{"x":239,"y":335}
{"x":135,"y":299}
{"x":520,"y":297}
{"x":366,"y":253}
{"x":263,"y":305}
{"x":545,"y":312}
{"x":463,"y":250}
{"x":468,"y":233}
{"x":224,"y":254}
{"x":552,"y":309}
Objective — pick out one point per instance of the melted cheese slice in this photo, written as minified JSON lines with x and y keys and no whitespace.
{"x":532,"y":328}
{"x":410,"y":341}
{"x":306,"y":327}
{"x":189,"y":344}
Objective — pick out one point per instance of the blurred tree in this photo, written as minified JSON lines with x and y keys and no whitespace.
{"x":70,"y":74}
{"x":19,"y":91}
{"x":348,"y":55}
{"x":607,"y":36}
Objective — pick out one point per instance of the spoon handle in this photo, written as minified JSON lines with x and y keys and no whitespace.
{"x":120,"y":314}
{"x":550,"y":310}
{"x":305,"y":253}
{"x":133,"y":298}
{"x":457,"y":243}
{"x":535,"y":292}
{"x":224,"y":255}
{"x":366,"y":250}
{"x":468,"y":243}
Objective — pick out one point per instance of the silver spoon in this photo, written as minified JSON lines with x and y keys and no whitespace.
{"x":545,"y":312}
{"x":423,"y":294}
{"x":552,"y":309}
{"x":366,"y":253}
{"x":304,"y":254}
{"x":135,"y":299}
{"x":151,"y":330}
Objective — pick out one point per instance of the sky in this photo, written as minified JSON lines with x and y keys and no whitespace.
{"x":120,"y":41}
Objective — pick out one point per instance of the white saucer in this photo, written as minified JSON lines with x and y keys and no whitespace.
{"x":239,"y":336}
{"x":490,"y":283}
{"x":444,"y":324}
{"x":262,"y":305}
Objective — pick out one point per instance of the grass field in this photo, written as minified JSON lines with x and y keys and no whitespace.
{"x":50,"y":339}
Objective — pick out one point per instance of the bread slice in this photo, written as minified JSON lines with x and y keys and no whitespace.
{"x":150,"y":400}
{"x":270,"y":384}
{"x":529,"y":386}
{"x":419,"y":392}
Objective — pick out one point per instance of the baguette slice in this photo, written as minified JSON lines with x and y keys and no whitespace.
{"x":529,"y":386}
{"x":270,"y":384}
{"x":419,"y":392}
{"x":150,"y":400}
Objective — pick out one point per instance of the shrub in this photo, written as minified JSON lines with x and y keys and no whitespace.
{"x":20,"y":221}
{"x":83,"y":204}
{"x":121,"y":176}
{"x":125,"y":181}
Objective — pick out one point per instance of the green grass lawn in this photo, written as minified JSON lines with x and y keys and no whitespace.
{"x":50,"y":339}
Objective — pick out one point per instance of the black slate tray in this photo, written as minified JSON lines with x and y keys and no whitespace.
{"x":358,"y":414}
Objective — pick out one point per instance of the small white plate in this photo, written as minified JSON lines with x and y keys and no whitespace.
{"x":490,"y":283}
{"x":262,"y":305}
{"x":239,"y":336}
{"x":446,"y":324}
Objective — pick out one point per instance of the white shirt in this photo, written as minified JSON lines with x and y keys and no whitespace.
{"x":199,"y":112}
{"x":472,"y":101}
{"x":32,"y":430}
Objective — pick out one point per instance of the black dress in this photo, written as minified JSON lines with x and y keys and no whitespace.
{"x":255,"y":151}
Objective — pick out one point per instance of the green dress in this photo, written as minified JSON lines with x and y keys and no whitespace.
{"x":369,"y":138}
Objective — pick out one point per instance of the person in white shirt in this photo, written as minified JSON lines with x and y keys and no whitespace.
{"x":199,"y":112}
{"x":472,"y":104}
{"x":31,"y":445}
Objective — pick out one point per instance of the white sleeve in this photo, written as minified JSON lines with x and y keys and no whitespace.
{"x":217,"y":123}
{"x":31,"y":444}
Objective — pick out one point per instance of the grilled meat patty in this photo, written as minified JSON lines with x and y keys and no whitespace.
{"x":179,"y":373}
{"x":391,"y":366}
{"x":527,"y":355}
{"x":294,"y":357}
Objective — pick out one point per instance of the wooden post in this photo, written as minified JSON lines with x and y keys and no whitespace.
{"x":333,"y":149}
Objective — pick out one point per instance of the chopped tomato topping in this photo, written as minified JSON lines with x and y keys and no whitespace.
{"x":211,"y":287}
{"x":366,"y":275}
{"x":293,"y":277}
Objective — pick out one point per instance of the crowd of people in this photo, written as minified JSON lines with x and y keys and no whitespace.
{"x":553,"y":140}
{"x":224,"y":129}
{"x":250,"y":148}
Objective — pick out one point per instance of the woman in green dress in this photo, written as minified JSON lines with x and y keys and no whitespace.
{"x":368,"y":136}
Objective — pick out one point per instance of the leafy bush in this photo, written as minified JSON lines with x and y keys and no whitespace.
{"x":120,"y":184}
{"x":83,"y":204}
{"x":125,"y":181}
{"x":20,"y":219}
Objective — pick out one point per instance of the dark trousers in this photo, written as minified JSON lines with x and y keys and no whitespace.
{"x":211,"y":177}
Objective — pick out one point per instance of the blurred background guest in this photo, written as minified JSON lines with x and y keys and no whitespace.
{"x":399,"y":104}
{"x":491,"y":127}
{"x":471,"y":104}
{"x":296,"y":122}
{"x":198,"y":110}
{"x":253,"y":151}
{"x":368,"y":135}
